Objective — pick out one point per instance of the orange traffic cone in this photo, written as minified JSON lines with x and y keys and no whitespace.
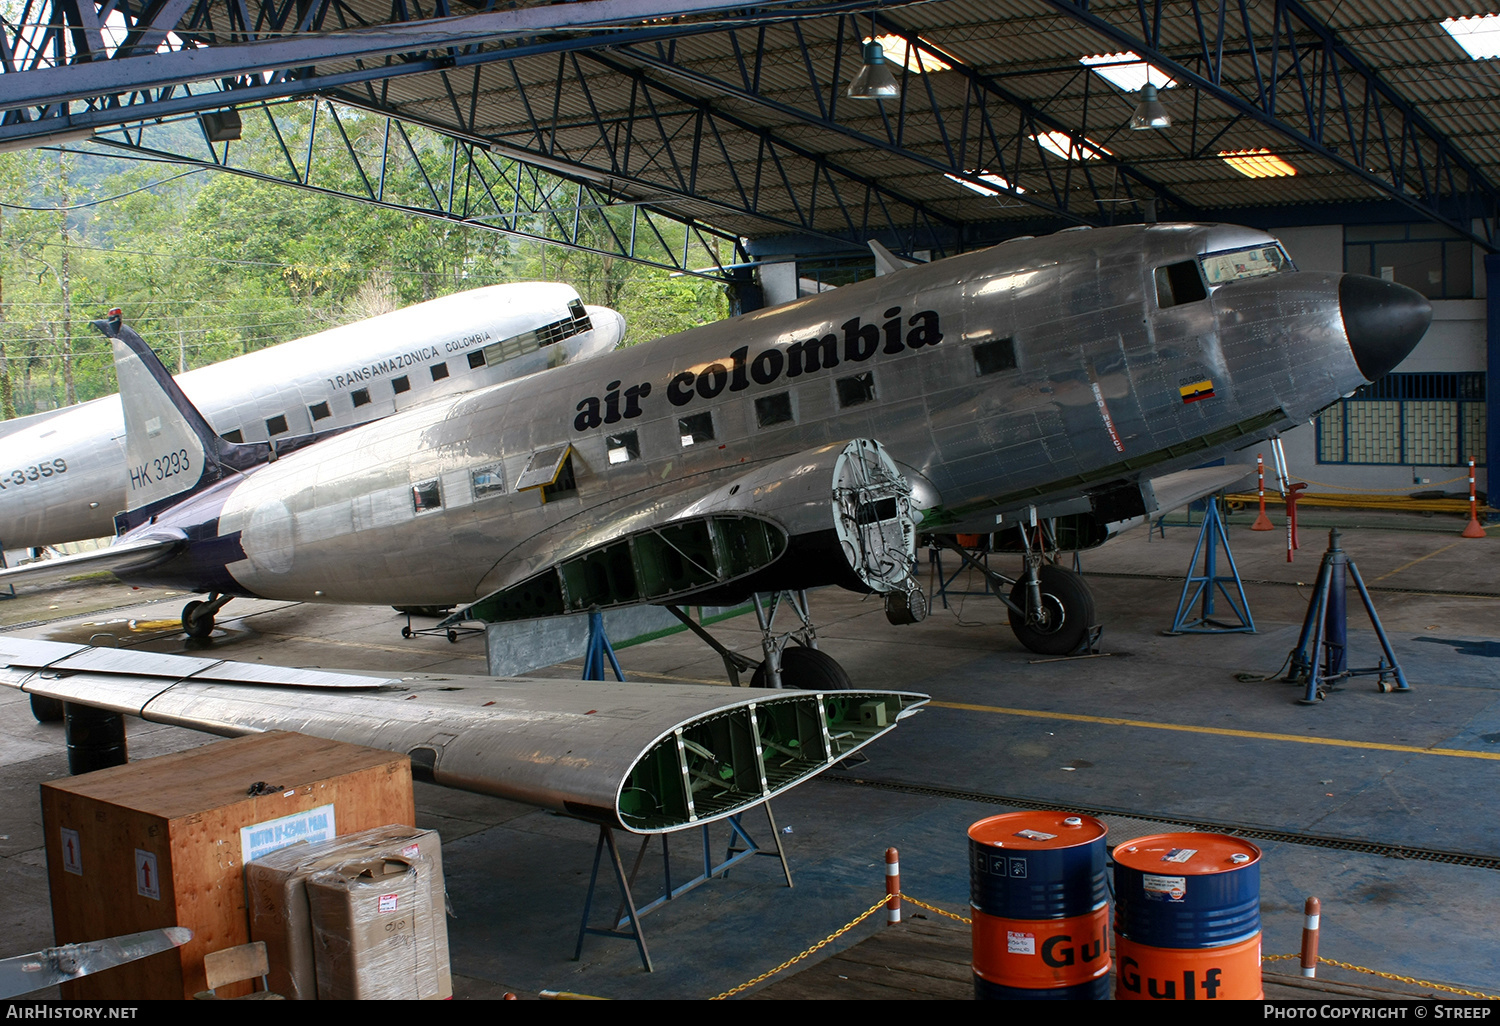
{"x":1473,"y":529}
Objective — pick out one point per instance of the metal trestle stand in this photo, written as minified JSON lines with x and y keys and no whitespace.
{"x":1321,"y":658}
{"x":627,"y":921}
{"x":1211,"y":581}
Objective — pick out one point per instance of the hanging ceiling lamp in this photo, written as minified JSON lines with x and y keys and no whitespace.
{"x":874,"y":81}
{"x":1149,"y":113}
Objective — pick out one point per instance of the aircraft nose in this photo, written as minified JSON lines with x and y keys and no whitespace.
{"x":1382,"y":320}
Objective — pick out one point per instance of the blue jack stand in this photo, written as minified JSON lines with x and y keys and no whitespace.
{"x":1326,"y":628}
{"x":598,"y":648}
{"x":1209,"y":540}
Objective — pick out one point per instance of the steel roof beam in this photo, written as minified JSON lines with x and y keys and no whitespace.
{"x":1414,"y":159}
{"x":65,"y":82}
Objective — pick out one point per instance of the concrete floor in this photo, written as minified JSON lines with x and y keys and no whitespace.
{"x":1160,"y":728}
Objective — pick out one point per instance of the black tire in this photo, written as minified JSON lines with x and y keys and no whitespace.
{"x":46,"y":710}
{"x":406,"y":632}
{"x":807,"y":669}
{"x":196,"y":626}
{"x":1068,"y":608}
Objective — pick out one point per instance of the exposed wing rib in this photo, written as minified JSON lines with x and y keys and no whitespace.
{"x":125,"y":556}
{"x":608,"y":753}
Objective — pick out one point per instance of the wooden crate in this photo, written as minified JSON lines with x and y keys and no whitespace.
{"x":178,"y":818}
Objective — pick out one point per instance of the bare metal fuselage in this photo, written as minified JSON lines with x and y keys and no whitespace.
{"x":1107,"y":385}
{"x":62,"y":474}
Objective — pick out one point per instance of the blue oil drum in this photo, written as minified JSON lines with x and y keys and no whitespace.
{"x":1187,"y":918}
{"x":1040,"y":907}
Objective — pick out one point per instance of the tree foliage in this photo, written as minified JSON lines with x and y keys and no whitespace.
{"x":209,"y":265}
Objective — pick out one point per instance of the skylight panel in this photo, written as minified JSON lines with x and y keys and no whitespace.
{"x":1257,"y":163}
{"x":1127,"y":71}
{"x":1063,"y":145}
{"x":897,"y":49}
{"x":1479,"y":35}
{"x":989,"y":184}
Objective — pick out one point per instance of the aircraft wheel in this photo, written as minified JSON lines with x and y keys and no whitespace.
{"x":452,"y":637}
{"x":195,"y":626}
{"x":406,"y":632}
{"x":1067,"y":613}
{"x":46,"y":710}
{"x":806,"y":669}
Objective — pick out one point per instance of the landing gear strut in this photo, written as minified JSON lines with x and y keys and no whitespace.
{"x":792,"y":658}
{"x":1051,"y":608}
{"x":198,"y":617}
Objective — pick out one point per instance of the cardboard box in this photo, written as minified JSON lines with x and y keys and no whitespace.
{"x":163,"y":842}
{"x":281,"y":917}
{"x":373,"y":931}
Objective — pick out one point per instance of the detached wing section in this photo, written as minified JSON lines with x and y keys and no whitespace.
{"x":119,"y":559}
{"x":648,"y":758}
{"x":1185,"y":486}
{"x":848,"y":497}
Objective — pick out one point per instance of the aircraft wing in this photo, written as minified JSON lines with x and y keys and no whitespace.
{"x":1185,"y":486}
{"x":137,"y":554}
{"x":701,"y":539}
{"x":648,"y":758}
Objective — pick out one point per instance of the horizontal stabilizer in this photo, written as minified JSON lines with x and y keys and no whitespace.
{"x":648,"y":758}
{"x":119,"y":559}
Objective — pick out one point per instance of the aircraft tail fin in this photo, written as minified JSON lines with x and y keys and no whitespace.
{"x":887,"y":262}
{"x":171,"y":448}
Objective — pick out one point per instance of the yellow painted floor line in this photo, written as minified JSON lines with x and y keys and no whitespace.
{"x":1221,"y":731}
{"x":1406,"y":566}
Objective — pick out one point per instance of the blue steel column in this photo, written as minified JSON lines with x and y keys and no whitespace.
{"x":1492,"y":373}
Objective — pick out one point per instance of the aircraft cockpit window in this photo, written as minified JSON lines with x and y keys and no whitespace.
{"x":276,"y":425}
{"x":1245,"y":263}
{"x":361,"y":397}
{"x":856,"y":389}
{"x":488,"y":480}
{"x":320,"y":411}
{"x":622,"y":448}
{"x":426,"y":496}
{"x":1179,"y":283}
{"x":697,"y":428}
{"x":401,"y":384}
{"x":996,"y":355}
{"x":773,"y":409}
{"x":439,"y":371}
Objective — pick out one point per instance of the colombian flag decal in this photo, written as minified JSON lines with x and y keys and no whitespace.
{"x":1197,"y":390}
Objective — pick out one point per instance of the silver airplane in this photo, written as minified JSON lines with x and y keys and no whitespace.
{"x":795,"y":447}
{"x":62,"y":471}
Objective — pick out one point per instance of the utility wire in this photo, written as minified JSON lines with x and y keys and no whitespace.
{"x":107,"y":199}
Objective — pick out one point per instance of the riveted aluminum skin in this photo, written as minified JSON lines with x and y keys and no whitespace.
{"x":571,"y":746}
{"x":71,"y":462}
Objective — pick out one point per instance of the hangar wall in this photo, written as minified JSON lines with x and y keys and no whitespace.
{"x":1455,"y":343}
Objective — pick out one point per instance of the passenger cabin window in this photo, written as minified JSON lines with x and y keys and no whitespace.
{"x":1179,"y":283}
{"x":426,"y":496}
{"x":439,"y":371}
{"x":476,"y":360}
{"x":361,"y":397}
{"x":995,"y":355}
{"x":276,"y":425}
{"x":401,"y":384}
{"x":773,"y":409}
{"x":695,"y":429}
{"x":236,"y":436}
{"x":320,"y":411}
{"x":856,"y":389}
{"x":622,"y":448}
{"x":1253,"y":262}
{"x":488,"y":480}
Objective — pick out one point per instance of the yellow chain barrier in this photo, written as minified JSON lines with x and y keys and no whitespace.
{"x":867,"y":913}
{"x":1390,"y":976}
{"x":835,"y":935}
